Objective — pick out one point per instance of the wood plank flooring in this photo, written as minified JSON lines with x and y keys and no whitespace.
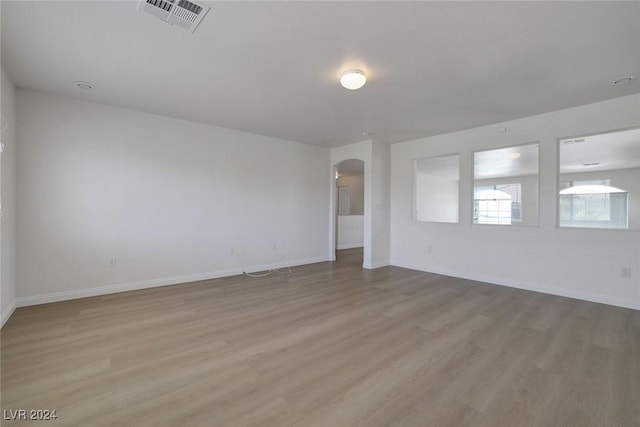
{"x":332,"y":345}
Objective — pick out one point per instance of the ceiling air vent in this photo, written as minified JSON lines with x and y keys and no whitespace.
{"x":182,"y":13}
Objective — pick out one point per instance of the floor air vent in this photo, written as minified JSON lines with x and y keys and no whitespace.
{"x":182,"y":13}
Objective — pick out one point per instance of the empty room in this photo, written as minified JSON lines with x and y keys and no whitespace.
{"x":320,"y":213}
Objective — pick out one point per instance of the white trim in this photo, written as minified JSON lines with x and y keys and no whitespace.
{"x":381,"y":264}
{"x":602,"y":299}
{"x":165,"y":281}
{"x":374,"y":265}
{"x":351,"y":246}
{"x":6,"y":314}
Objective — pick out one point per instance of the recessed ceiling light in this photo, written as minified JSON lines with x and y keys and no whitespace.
{"x":83,"y":85}
{"x":515,"y":155}
{"x":353,"y":79}
{"x":624,"y":80}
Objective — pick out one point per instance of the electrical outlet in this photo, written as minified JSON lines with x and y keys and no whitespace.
{"x":429,"y":249}
{"x":625,"y":272}
{"x":231,"y":251}
{"x":112,"y":262}
{"x":275,"y":246}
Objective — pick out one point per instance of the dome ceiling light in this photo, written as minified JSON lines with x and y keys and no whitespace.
{"x":353,"y":79}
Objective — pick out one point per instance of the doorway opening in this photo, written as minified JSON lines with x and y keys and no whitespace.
{"x":349,"y":212}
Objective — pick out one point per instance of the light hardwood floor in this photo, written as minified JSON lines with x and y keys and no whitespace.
{"x":333,"y":345}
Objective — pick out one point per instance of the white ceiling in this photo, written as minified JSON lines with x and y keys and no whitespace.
{"x":609,"y":151}
{"x":503,"y":162}
{"x":272,"y":68}
{"x":498,"y":163}
{"x":446,"y":167}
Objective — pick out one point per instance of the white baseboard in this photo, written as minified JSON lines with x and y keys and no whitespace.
{"x":123,"y":287}
{"x":374,"y":265}
{"x":165,"y":281}
{"x":602,"y":299}
{"x":350,"y":246}
{"x":7,"y":312}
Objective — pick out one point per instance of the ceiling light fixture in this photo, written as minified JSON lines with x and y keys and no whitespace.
{"x":353,"y":79}
{"x":624,"y":80}
{"x":83,"y":85}
{"x":591,"y":189}
{"x":515,"y":155}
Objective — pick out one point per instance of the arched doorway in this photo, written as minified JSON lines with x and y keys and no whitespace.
{"x":349,"y":211}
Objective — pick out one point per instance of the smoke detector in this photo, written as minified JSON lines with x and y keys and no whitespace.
{"x":183,"y":13}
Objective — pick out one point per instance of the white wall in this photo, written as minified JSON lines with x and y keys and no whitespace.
{"x":356,"y":192}
{"x":166,"y":198}
{"x":380,"y":192}
{"x":578,"y":263}
{"x":350,"y":231}
{"x":8,"y":201}
{"x":436,"y":198}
